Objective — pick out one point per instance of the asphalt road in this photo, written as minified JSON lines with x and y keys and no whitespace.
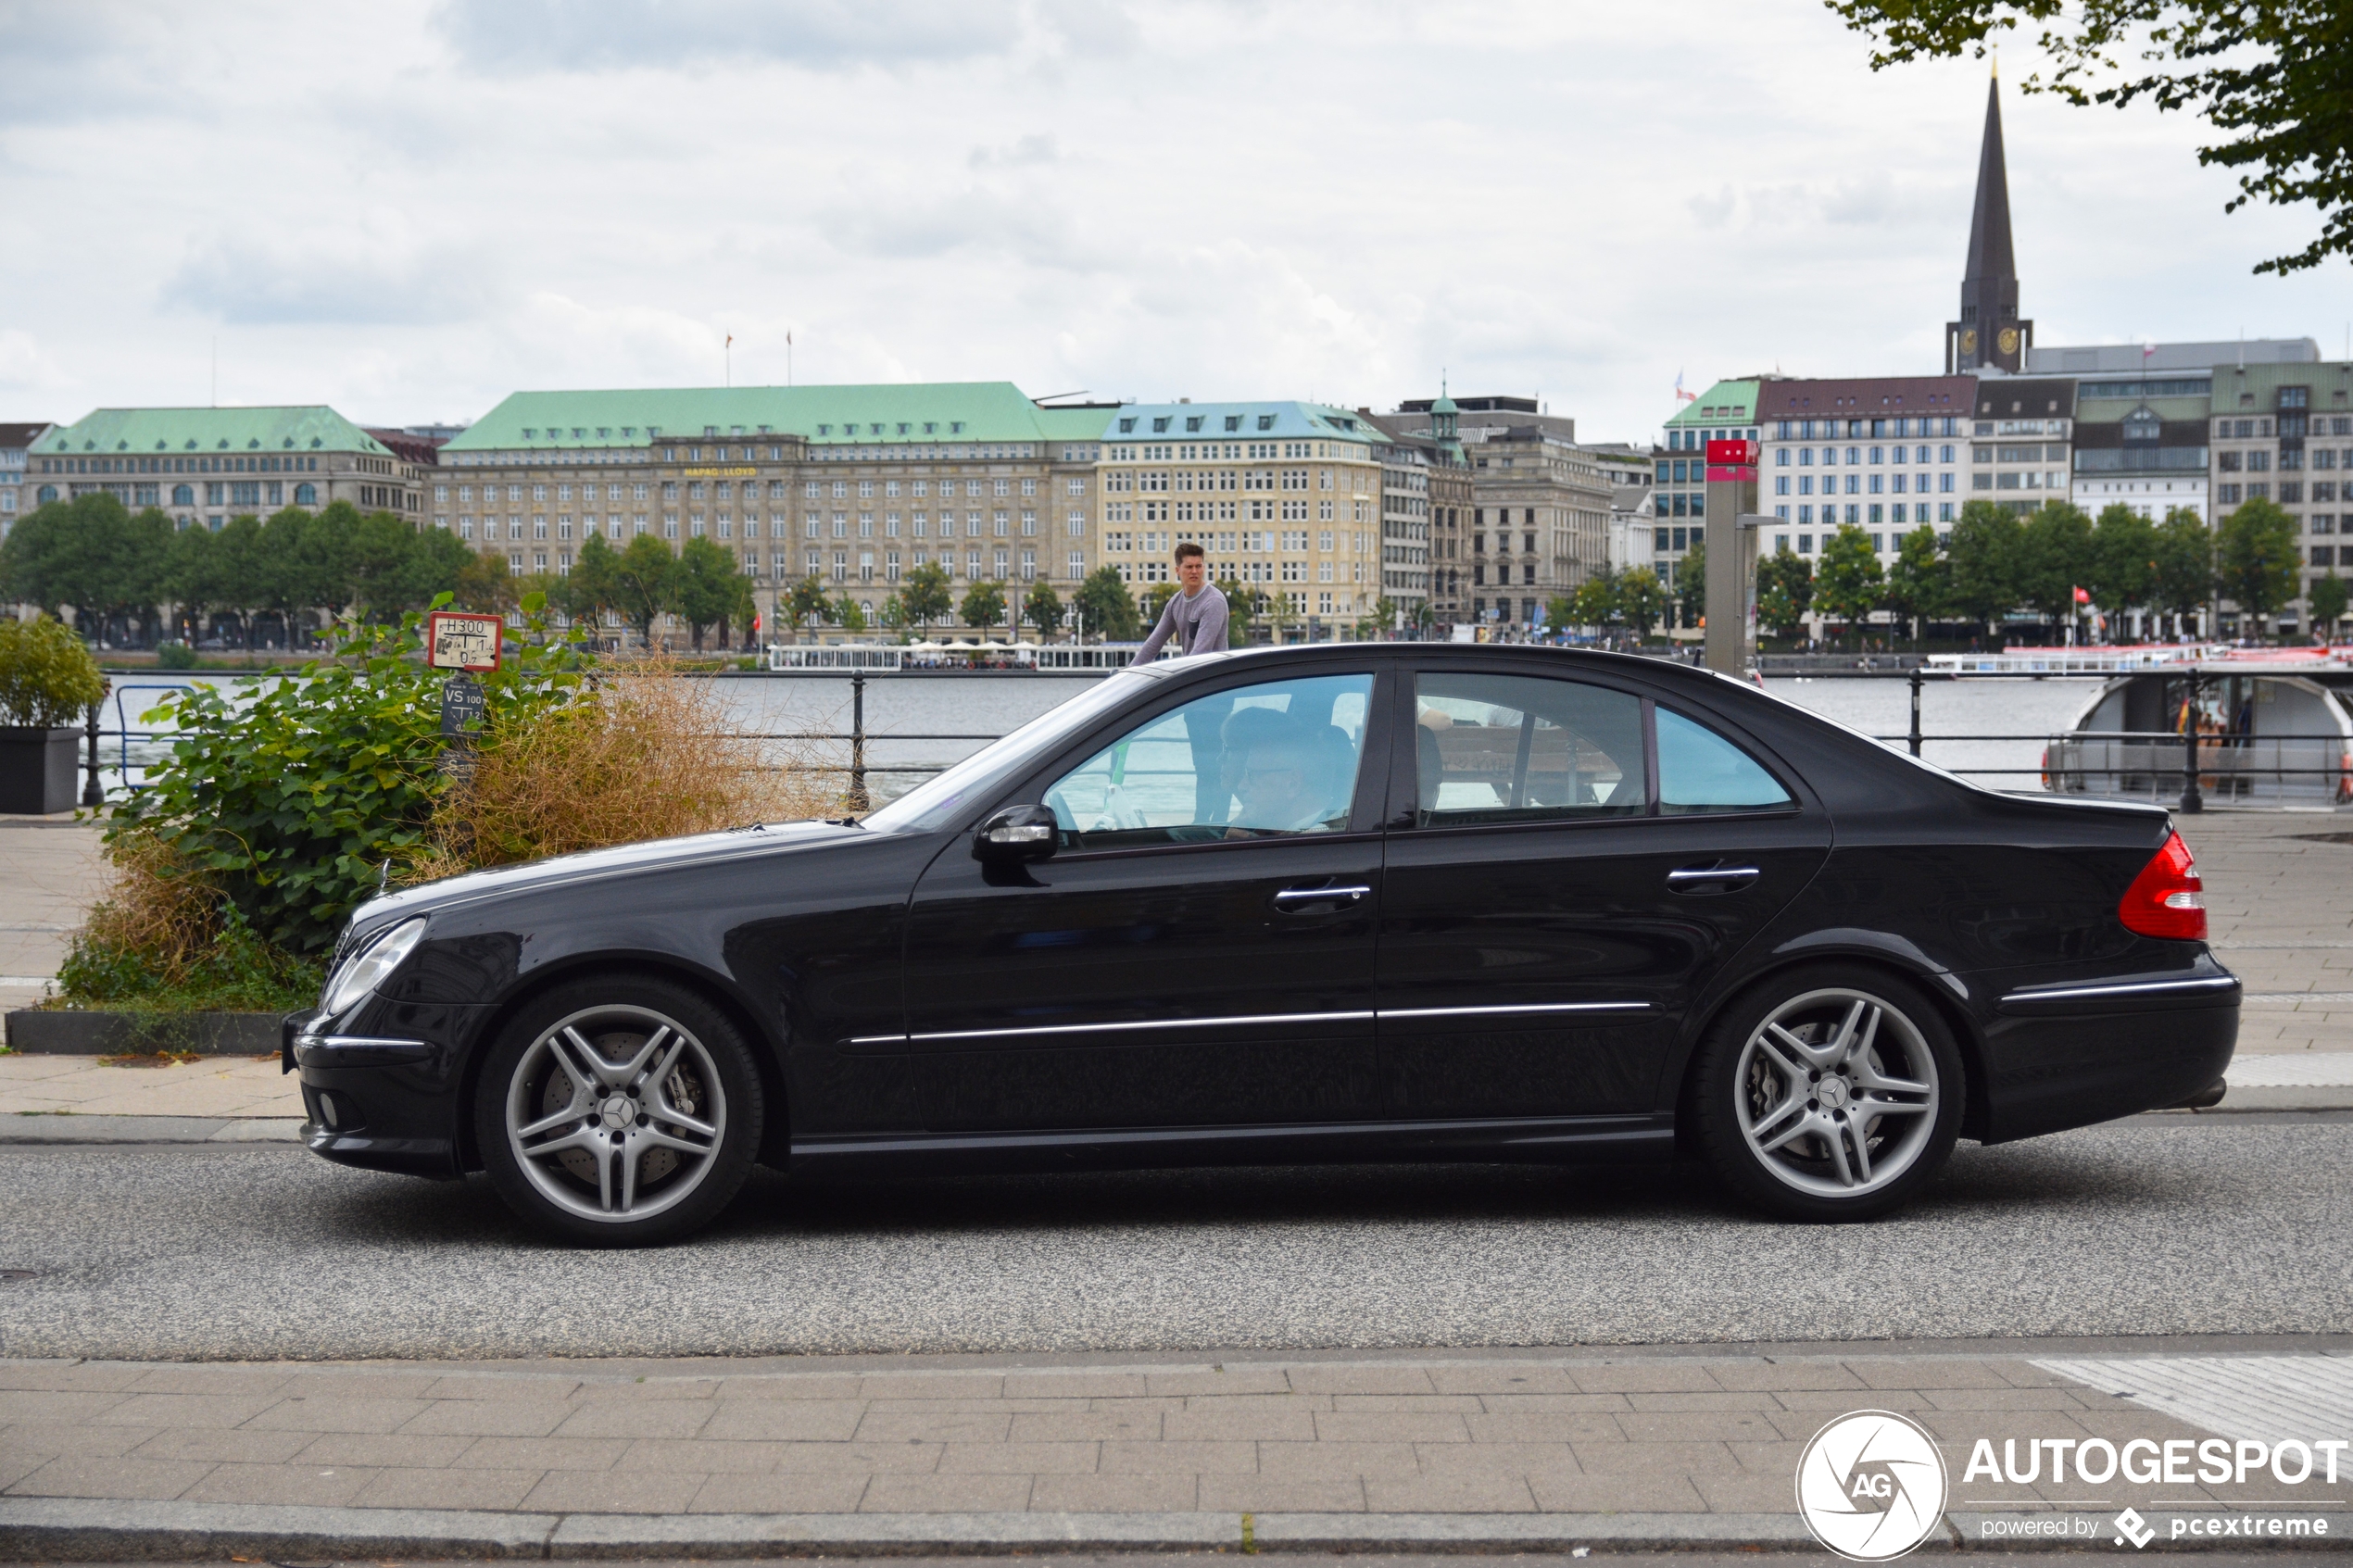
{"x":2161,"y":1226}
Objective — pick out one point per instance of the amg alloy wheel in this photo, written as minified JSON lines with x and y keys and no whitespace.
{"x":1828,"y":1095}
{"x":618,"y":1115}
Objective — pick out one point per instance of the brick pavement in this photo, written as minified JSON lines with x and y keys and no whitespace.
{"x":2279,"y":902}
{"x":1476,"y":1434}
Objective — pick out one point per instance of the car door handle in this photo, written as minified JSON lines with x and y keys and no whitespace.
{"x":1296,"y":897}
{"x":1710,"y":879}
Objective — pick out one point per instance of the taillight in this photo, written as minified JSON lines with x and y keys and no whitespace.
{"x":2167,"y":900}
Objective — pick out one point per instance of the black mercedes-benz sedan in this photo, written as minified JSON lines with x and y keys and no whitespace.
{"x":1347,"y":902}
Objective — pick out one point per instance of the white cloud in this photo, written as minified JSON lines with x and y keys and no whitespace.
{"x":421,"y":206}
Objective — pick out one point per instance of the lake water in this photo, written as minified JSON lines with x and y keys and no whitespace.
{"x":904,"y":713}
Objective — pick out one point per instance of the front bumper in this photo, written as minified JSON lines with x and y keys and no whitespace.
{"x":390,"y":1098}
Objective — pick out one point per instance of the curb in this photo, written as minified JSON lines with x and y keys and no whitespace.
{"x":69,"y":1529}
{"x":53,"y":1032}
{"x":52,"y":1127}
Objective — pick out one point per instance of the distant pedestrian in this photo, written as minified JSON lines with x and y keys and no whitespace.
{"x":1196,"y":617}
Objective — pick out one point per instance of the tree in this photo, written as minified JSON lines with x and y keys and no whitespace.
{"x":592,"y":587}
{"x":486,"y":586}
{"x":1848,"y":584}
{"x":707,"y":588}
{"x":1243,"y":605}
{"x":643,"y":583}
{"x":2184,"y":574}
{"x":1042,"y":607}
{"x":806,"y":600}
{"x":1156,"y":600}
{"x":984,"y":605}
{"x":893,"y":613}
{"x":1918,"y":583}
{"x":1560,"y":612}
{"x":1642,"y":600}
{"x":2123,"y":559}
{"x":1690,"y":584}
{"x":1104,"y":600}
{"x":1985,"y":559}
{"x":1784,"y":591}
{"x":2327,"y":602}
{"x":2270,"y":74}
{"x":1595,"y":601}
{"x":845,"y":613}
{"x":1385,"y":613}
{"x":187,"y":577}
{"x":90,"y":553}
{"x":2258,"y":556}
{"x":927,"y":595}
{"x":239,"y":567}
{"x":2054,"y":559}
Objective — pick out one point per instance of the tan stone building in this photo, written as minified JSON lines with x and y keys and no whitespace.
{"x":203,"y":466}
{"x":1284,"y":497}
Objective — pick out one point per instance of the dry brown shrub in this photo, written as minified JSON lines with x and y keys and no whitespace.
{"x":644,"y":754}
{"x":154,"y":906}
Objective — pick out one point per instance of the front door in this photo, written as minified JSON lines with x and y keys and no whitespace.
{"x":1196,"y":953}
{"x":1577,"y":863}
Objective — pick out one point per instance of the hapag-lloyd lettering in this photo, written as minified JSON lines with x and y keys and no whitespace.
{"x":2146,"y":1462}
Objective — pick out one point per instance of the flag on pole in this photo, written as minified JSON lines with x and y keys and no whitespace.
{"x":1680,"y":396}
{"x":2082,"y":595}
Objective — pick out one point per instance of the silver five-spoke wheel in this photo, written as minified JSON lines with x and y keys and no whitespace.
{"x":1837,"y":1093}
{"x":614,"y":1113}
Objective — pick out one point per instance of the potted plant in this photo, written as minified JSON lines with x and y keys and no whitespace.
{"x":47,"y":682}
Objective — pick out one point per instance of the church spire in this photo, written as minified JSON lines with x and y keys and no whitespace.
{"x":1989,"y":332}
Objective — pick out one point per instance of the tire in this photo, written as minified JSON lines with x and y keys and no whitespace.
{"x":1781,"y":1080}
{"x":619,"y":1113}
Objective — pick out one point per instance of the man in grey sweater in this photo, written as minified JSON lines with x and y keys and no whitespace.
{"x":1196,"y":617}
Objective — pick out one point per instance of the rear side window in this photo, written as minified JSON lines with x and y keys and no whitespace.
{"x":1519,"y":749}
{"x":1700,"y":771}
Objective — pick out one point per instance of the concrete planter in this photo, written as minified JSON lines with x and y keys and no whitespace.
{"x":37,"y":769}
{"x":42,"y":1032}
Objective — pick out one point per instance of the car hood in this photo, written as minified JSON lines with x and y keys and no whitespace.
{"x":658,"y":854}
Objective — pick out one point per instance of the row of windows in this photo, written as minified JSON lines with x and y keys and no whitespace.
{"x":1915,"y":514}
{"x":1881,"y":484}
{"x":1874,"y":429}
{"x":1258,"y":541}
{"x":2292,"y":460}
{"x":725,"y":490}
{"x":177,"y":465}
{"x":1881,"y":543}
{"x":2032,"y":480}
{"x":1122,"y":481}
{"x":1234,"y":511}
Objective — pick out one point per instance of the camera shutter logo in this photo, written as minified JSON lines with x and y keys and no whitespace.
{"x":1871,"y":1486}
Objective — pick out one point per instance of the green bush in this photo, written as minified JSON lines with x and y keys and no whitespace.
{"x":175,"y":656}
{"x":287,"y":798}
{"x":47,"y":678}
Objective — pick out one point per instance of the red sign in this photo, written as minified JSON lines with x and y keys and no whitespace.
{"x":1731,"y":454}
{"x":462,"y":642}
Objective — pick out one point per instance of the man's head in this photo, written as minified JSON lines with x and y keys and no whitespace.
{"x":1192,"y":566}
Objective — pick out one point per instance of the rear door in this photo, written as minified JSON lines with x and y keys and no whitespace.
{"x":1577,"y":862}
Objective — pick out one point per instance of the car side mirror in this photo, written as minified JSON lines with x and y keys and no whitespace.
{"x":1017,"y":834}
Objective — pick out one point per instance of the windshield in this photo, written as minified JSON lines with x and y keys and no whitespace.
{"x":930,"y":805}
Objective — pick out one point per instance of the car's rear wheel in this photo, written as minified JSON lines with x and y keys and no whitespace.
{"x":619,"y":1113}
{"x":1827,"y":1093}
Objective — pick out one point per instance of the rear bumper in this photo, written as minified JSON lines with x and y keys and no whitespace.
{"x":2060,"y":1057}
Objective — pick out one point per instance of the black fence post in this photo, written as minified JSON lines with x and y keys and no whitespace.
{"x":93,"y":796}
{"x":2193,"y":801}
{"x":858,"y":745}
{"x":1916,"y":713}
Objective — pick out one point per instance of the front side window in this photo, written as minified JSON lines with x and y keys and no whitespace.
{"x":1263,"y":762}
{"x":1522,"y":748}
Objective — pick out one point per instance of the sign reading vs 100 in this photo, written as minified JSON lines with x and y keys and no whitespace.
{"x":462,"y":642}
{"x":721,"y":473}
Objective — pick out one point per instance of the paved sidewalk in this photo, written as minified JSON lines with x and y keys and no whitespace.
{"x":83,"y":1086}
{"x":52,"y":871}
{"x":1659,"y":1447}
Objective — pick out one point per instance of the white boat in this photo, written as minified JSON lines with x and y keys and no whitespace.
{"x":2274,"y":727}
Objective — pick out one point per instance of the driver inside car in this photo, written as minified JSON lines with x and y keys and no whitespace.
{"x":1284,"y":781}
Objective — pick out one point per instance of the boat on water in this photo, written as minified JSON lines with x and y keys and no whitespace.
{"x":2273,"y":726}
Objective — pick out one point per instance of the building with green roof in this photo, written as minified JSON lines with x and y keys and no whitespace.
{"x":856,"y":486}
{"x":203,"y":466}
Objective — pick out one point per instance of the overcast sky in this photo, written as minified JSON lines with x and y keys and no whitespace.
{"x":409,"y":208}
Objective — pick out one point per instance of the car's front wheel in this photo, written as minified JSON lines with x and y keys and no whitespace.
{"x":1829,"y":1093}
{"x":619,"y":1113}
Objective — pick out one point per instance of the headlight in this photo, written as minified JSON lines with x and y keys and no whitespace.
{"x":373,"y":965}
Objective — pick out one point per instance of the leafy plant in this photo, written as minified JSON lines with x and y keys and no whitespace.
{"x":47,"y":678}
{"x":2257,"y":554}
{"x":288,"y":799}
